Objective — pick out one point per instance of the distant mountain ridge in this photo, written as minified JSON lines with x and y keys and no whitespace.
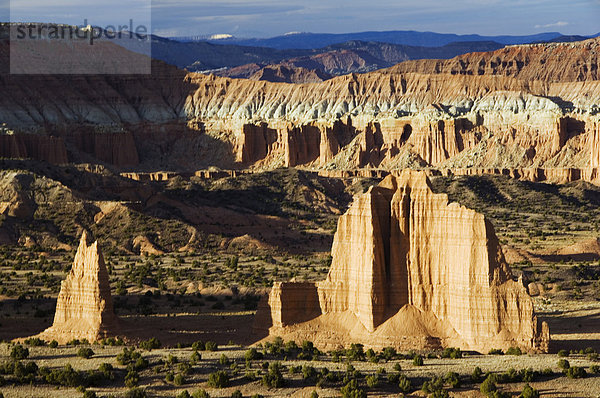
{"x":408,"y":38}
{"x":310,"y":57}
{"x":337,"y":59}
{"x":350,"y":57}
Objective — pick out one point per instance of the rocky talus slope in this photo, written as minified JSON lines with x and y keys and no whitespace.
{"x":411,"y":270}
{"x":84,"y":308}
{"x":522,"y":107}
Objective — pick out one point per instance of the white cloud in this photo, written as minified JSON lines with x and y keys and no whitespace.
{"x":552,"y":25}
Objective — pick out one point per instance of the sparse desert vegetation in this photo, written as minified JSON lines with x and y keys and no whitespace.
{"x":281,"y":368}
{"x":193,"y":308}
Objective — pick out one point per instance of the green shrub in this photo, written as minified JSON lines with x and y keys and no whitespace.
{"x":372,"y":381}
{"x":514,"y":351}
{"x":564,"y":364}
{"x":252,"y":354}
{"x":450,"y":352}
{"x":496,"y":351}
{"x":198,"y":346}
{"x":314,"y":394}
{"x":499,"y":394}
{"x":224,"y":360}
{"x":132,"y":379}
{"x":595,"y":369}
{"x":236,"y":394}
{"x":89,"y":394}
{"x":389,"y":353}
{"x":184,"y":368}
{"x":85,"y":352}
{"x":274,"y":378}
{"x":547,"y":372}
{"x":35,"y":342}
{"x":529,"y":392}
{"x":184,"y":394}
{"x":308,"y":372}
{"x":107,"y":371}
{"x":563,"y":353}
{"x":477,"y":375}
{"x":19,"y":352}
{"x":356,"y":352}
{"x":404,"y":384}
{"x":150,"y":344}
{"x":67,"y":376}
{"x":195,"y":357}
{"x":352,"y":390}
{"x":179,"y":380}
{"x":433,"y":385}
{"x":128,"y":356}
{"x":576,"y":372}
{"x":418,"y":360}
{"x":452,"y":379}
{"x":371,"y":356}
{"x":219,"y":379}
{"x":171,"y":360}
{"x":136,"y":393}
{"x":211,"y":346}
{"x":200,"y":394}
{"x":53,"y":344}
{"x":488,"y":385}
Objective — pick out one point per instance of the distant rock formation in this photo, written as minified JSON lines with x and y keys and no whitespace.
{"x":33,"y":146}
{"x":84,"y":309}
{"x":411,"y":270}
{"x":289,"y":74}
{"x":145,"y":247}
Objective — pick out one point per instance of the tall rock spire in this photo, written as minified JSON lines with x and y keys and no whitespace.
{"x":84,"y":309}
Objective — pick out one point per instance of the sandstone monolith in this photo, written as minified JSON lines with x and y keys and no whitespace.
{"x":84,"y":309}
{"x":412,"y":270}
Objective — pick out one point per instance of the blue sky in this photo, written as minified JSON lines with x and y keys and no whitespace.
{"x":264,"y":18}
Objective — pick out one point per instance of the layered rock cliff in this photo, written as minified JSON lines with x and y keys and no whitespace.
{"x":410,"y":268}
{"x":84,"y":308}
{"x":532,"y":106}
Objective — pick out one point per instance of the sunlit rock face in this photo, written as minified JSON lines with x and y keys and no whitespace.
{"x":84,"y":309}
{"x":410,"y":268}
